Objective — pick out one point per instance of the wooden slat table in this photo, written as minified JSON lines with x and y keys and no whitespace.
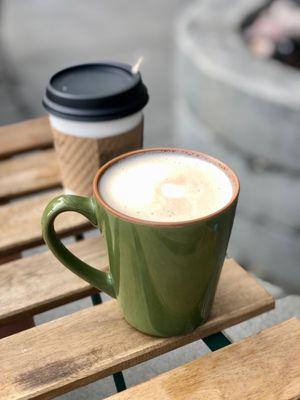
{"x":23,"y":294}
{"x":77,"y":349}
{"x":38,"y":283}
{"x":262,"y":367}
{"x":25,"y":136}
{"x":28,"y":174}
{"x":22,"y":222}
{"x":55,"y":357}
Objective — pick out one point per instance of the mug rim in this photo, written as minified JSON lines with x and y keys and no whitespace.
{"x":220,"y":164}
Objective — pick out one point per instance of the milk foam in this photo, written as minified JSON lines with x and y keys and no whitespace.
{"x":165,"y":187}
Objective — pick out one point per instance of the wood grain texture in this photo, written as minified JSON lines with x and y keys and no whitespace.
{"x":24,"y":136}
{"x":20,"y":223}
{"x":38,"y":283}
{"x":263,"y":367}
{"x":28,"y":174}
{"x":61,"y":355}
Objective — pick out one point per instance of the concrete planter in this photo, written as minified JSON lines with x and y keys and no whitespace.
{"x":247,"y":112}
{"x":251,"y":103}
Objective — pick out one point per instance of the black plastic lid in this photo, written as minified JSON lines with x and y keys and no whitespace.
{"x":95,"y":92}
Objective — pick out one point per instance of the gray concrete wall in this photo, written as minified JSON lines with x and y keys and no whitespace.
{"x":40,"y":37}
{"x":246,"y":112}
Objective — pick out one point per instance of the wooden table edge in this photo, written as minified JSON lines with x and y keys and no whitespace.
{"x":73,"y":231}
{"x":141,"y":356}
{"x":59,"y":301}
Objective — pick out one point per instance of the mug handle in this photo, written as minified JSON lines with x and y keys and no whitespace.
{"x":85,"y":206}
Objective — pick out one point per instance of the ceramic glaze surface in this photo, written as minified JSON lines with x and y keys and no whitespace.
{"x":164,"y":276}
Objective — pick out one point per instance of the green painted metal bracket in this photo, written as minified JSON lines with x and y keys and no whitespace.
{"x":216,"y":341}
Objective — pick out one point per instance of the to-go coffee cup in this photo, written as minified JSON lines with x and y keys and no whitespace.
{"x":95,"y":115}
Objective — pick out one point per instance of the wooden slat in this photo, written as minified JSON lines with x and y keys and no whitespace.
{"x":21,"y":223}
{"x":21,"y":291}
{"x":16,"y":326}
{"x":28,"y":174}
{"x":24,"y":136}
{"x":263,"y":367}
{"x":38,"y":283}
{"x":60,"y":355}
{"x":10,"y":257}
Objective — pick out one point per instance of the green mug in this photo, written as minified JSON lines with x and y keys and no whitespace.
{"x":163,"y":274}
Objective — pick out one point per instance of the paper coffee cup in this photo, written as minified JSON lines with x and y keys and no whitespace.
{"x":95,"y":114}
